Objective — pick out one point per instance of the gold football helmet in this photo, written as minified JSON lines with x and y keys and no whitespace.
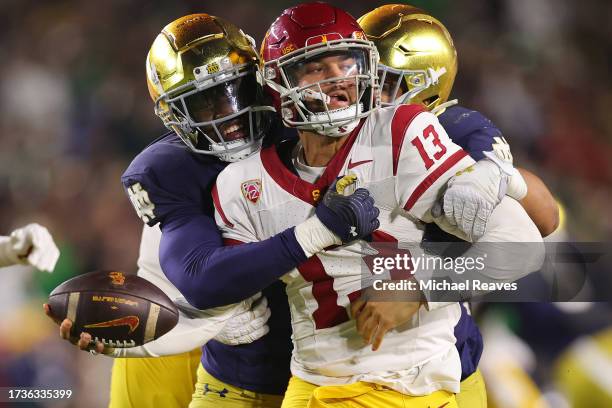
{"x":418,"y":61}
{"x":202,"y":73}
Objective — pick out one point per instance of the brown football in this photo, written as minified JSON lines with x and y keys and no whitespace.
{"x":117,"y":309}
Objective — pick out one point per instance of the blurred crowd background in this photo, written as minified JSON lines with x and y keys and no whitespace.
{"x":74,"y":110}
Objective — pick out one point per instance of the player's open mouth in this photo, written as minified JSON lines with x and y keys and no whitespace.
{"x":338,"y":99}
{"x":233,"y":131}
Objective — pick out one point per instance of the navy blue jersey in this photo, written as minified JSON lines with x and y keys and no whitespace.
{"x":167,"y":180}
{"x":171,"y":186}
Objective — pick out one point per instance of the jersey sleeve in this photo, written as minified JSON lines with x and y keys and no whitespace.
{"x":470,"y":129}
{"x":231,"y":216}
{"x":173,"y":189}
{"x":194,"y":329}
{"x":424,"y":158}
{"x":165,"y":179}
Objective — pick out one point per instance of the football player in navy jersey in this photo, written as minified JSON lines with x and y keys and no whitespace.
{"x":170,"y":185}
{"x":425,"y":76}
{"x":202,"y":73}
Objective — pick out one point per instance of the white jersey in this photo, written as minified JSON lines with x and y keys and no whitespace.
{"x":404,"y":157}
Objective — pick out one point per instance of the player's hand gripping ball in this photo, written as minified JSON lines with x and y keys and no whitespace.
{"x":118,"y":310}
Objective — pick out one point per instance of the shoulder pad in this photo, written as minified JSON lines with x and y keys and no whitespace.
{"x":166,"y":177}
{"x":470,"y":129}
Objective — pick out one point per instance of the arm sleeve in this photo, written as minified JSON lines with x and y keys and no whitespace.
{"x":210,"y":275}
{"x":511,"y":248}
{"x":170,"y":187}
{"x":470,"y":129}
{"x":194,"y":329}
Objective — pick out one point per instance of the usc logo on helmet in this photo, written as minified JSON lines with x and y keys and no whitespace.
{"x":289,"y":48}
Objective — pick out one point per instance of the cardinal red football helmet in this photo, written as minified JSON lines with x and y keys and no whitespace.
{"x":320,"y":69}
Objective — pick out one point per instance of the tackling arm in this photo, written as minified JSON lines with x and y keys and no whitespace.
{"x":197,"y":327}
{"x":476,"y":134}
{"x":423,"y":169}
{"x":210,"y":275}
{"x":539,"y":203}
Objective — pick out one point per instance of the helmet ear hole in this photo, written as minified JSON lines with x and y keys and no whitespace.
{"x":431,"y":100}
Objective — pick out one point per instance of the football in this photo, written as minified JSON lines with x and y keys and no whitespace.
{"x":117,"y":309}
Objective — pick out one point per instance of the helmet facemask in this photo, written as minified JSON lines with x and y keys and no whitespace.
{"x":219,"y":112}
{"x":399,"y":86}
{"x":326,"y":87}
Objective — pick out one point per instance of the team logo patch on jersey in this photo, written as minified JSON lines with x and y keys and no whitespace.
{"x":141,"y":202}
{"x":316,"y":195}
{"x":251,"y":190}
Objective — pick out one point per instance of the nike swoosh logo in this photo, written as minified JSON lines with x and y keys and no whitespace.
{"x":357,"y":163}
{"x":409,"y":52}
{"x":131,"y":321}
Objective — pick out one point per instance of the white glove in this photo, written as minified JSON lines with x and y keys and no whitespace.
{"x":474,"y":192}
{"x":471,"y":196}
{"x":29,"y":245}
{"x":246,"y":327}
{"x":501,"y":154}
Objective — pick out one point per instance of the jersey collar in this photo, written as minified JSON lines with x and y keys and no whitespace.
{"x":302,"y":189}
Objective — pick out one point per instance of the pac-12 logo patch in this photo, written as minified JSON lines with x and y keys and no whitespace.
{"x":251,"y":190}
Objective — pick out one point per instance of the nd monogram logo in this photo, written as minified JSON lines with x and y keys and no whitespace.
{"x":141,"y":202}
{"x":251,"y":190}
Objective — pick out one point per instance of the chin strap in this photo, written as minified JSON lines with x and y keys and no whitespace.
{"x":438,"y":110}
{"x":336,"y":114}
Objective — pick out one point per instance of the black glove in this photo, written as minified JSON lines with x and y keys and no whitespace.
{"x":350,"y":217}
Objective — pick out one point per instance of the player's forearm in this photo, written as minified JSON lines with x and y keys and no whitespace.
{"x":188,"y":334}
{"x":539,"y":204}
{"x":209,"y":275}
{"x":515,"y":241}
{"x":510,"y":249}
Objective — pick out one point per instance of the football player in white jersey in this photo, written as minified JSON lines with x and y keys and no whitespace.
{"x":426,"y":76}
{"x":217,"y":80}
{"x":323,"y":73}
